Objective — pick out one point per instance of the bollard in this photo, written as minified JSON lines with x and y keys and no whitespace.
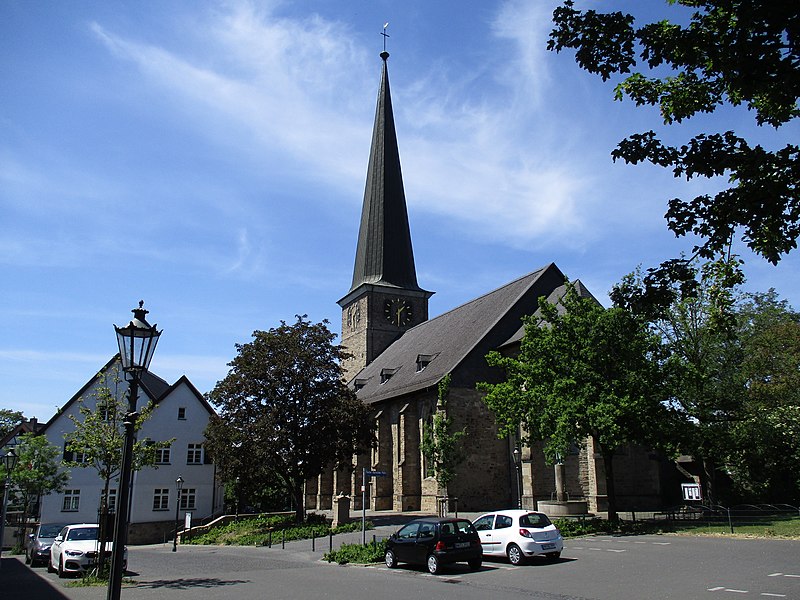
{"x":330,"y":541}
{"x":374,"y":541}
{"x":283,"y":539}
{"x":313,"y":540}
{"x":269,"y":543}
{"x":730,"y":521}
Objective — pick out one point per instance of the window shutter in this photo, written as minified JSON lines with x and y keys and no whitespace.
{"x":207,"y":460}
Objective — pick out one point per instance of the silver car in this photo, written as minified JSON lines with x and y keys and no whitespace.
{"x":37,"y":545}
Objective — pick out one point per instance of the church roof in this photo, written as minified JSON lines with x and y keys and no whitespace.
{"x":554,"y":298}
{"x":384,"y":255}
{"x":460,"y":337}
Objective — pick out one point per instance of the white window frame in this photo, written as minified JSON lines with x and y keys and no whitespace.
{"x":194,"y":454}
{"x":188,"y":499}
{"x":71,"y":501}
{"x":160,"y":499}
{"x":163,"y":455}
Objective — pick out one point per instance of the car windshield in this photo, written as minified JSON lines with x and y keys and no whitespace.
{"x":50,"y":531}
{"x":535,"y":520}
{"x":82,"y":533}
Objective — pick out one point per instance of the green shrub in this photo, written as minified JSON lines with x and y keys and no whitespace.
{"x":357,"y":553}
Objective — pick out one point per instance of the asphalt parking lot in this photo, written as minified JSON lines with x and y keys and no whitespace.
{"x":601,"y":567}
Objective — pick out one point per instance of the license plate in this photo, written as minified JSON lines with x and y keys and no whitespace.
{"x":548,"y":546}
{"x":462,"y":544}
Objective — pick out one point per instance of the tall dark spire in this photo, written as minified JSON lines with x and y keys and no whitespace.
{"x":384,"y":255}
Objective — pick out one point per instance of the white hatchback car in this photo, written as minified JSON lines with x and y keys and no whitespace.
{"x":518,"y":534}
{"x":75,"y":549}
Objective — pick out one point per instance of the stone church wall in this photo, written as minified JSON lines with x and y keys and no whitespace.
{"x":483,"y":480}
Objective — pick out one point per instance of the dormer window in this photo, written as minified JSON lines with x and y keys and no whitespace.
{"x":386,"y":374}
{"x":423,"y":360}
{"x":359,"y":383}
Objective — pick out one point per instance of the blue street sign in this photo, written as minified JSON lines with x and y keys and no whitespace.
{"x":376,"y":473}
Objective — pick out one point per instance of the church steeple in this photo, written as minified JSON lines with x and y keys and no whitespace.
{"x":384,"y":299}
{"x":384,"y":255}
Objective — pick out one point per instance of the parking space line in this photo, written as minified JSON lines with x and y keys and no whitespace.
{"x":772,"y":595}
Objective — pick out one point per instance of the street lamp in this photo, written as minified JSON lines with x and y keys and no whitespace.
{"x":517,"y":460}
{"x":179,"y":487}
{"x":137,"y":343}
{"x":10,"y":463}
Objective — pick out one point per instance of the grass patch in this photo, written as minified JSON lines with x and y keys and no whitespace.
{"x":90,"y":580}
{"x":357,"y":553}
{"x":259,"y":531}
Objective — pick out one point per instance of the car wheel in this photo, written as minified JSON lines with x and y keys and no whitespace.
{"x":50,"y":567}
{"x":514,"y":553}
{"x":61,"y":572}
{"x":27,"y":558}
{"x":390,"y":559}
{"x":433,"y":564}
{"x":475,"y":563}
{"x":554,"y":556}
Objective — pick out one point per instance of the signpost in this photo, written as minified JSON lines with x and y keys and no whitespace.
{"x":365,"y":476}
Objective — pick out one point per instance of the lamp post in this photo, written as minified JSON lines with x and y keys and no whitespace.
{"x":517,"y":460}
{"x":178,"y":487}
{"x":137,"y":343}
{"x":10,"y":463}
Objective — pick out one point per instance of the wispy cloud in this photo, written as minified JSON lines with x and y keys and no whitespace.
{"x":300,"y":88}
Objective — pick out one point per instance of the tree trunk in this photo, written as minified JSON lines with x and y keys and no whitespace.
{"x":299,"y":503}
{"x":608,"y":464}
{"x":103,"y":534}
{"x":708,"y":478}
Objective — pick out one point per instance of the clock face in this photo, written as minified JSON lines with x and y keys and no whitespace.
{"x":353,"y":316}
{"x":398,"y":312}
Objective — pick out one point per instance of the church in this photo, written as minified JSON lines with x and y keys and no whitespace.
{"x":399,"y":356}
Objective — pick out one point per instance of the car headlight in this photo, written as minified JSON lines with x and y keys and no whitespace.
{"x":73,"y":553}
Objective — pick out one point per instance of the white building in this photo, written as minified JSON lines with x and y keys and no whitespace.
{"x":181,"y":413}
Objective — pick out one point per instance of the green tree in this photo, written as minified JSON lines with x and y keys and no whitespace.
{"x":285,"y":414}
{"x":702,"y":372}
{"x":731,"y":52}
{"x":99,"y":436}
{"x":37,"y":473}
{"x":764,"y":456}
{"x":441,"y":446}
{"x":8,"y":420}
{"x":582,"y":371}
{"x":734,"y":376}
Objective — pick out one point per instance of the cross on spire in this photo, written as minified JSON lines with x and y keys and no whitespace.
{"x":385,"y":35}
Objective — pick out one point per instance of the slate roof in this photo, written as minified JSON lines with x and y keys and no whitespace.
{"x":553,"y":298}
{"x":466,"y":332}
{"x":384,"y":255}
{"x":151,"y":384}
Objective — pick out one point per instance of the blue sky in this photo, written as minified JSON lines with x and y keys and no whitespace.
{"x":210,"y":158}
